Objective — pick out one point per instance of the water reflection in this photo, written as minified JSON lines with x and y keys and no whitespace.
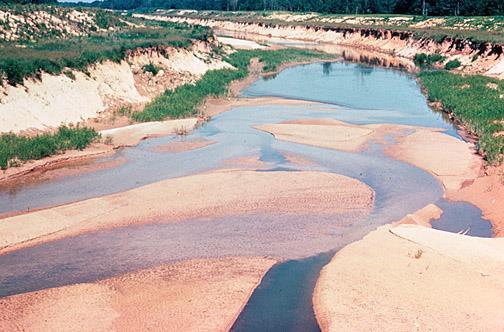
{"x":327,"y":68}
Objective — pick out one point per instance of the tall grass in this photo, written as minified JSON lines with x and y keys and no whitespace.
{"x":184,"y":100}
{"x":477,"y":101}
{"x":15,"y":148}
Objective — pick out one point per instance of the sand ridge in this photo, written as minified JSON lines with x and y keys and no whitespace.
{"x":209,"y":194}
{"x":401,"y":282}
{"x":450,"y":160}
{"x":331,"y":133}
{"x":195,"y":295}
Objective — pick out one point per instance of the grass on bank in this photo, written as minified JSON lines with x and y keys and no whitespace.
{"x":184,"y":100}
{"x":15,"y":149}
{"x":54,"y":56}
{"x":476,"y":100}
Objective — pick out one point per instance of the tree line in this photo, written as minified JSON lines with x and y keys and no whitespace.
{"x":415,"y":7}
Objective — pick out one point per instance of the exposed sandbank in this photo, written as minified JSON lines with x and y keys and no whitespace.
{"x":459,"y":169}
{"x":195,"y":295}
{"x":329,"y":133}
{"x":215,"y":106}
{"x":452,"y":161}
{"x":209,"y":194}
{"x":413,"y":278}
{"x":133,"y":134}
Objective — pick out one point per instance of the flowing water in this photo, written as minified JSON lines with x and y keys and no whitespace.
{"x":304,"y":243}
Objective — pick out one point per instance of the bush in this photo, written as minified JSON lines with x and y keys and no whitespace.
{"x":427,"y":60}
{"x":151,"y":68}
{"x":14,"y":148}
{"x":453,"y":64}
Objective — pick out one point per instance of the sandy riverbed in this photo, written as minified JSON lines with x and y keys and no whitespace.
{"x":195,"y":295}
{"x":209,"y":194}
{"x":453,"y":162}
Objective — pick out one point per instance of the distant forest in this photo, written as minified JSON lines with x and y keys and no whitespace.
{"x":25,"y":2}
{"x":416,"y":7}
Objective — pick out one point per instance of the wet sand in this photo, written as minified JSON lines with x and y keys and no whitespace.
{"x":210,"y":194}
{"x":413,"y":278}
{"x":69,"y":157}
{"x":450,"y":160}
{"x":182,"y":145}
{"x":194,"y":295}
{"x":487,"y":193}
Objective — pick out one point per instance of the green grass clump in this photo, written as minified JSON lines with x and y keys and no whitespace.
{"x":184,"y":100}
{"x":475,"y":100}
{"x":452,"y":64}
{"x":427,"y":60}
{"x":151,"y":68}
{"x":15,"y":148}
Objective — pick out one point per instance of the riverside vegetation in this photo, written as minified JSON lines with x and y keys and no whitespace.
{"x":184,"y":100}
{"x":15,"y":148}
{"x":55,"y":55}
{"x":474,"y":99}
{"x":110,"y":38}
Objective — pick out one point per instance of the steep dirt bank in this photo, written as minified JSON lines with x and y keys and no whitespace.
{"x":195,"y":295}
{"x":54,"y":100}
{"x":480,"y":58}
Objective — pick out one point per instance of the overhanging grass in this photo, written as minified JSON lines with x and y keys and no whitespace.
{"x":476,"y":101}
{"x":15,"y":148}
{"x":184,"y":100}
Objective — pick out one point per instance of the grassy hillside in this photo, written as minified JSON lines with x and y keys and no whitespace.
{"x":101,"y":36}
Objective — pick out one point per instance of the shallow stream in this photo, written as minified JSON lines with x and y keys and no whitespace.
{"x":349,"y":92}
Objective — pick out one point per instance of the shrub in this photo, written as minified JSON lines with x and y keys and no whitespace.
{"x":453,"y":64}
{"x":151,"y":68}
{"x":427,"y":60}
{"x":69,"y":74}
